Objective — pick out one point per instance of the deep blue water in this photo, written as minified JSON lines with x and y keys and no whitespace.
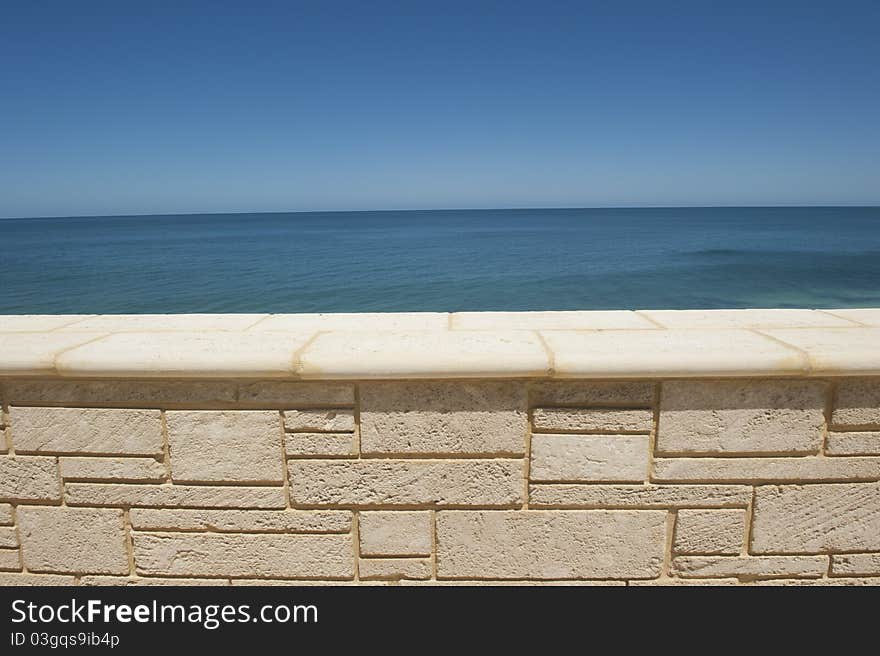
{"x":443,"y":260}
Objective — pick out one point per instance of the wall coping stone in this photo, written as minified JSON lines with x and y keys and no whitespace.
{"x":546,"y":345}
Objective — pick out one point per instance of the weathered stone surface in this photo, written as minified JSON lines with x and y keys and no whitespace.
{"x":670,"y":583}
{"x":714,"y":532}
{"x":866,"y":564}
{"x":589,"y":457}
{"x":816,"y":518}
{"x":639,"y":496}
{"x":395,"y":533}
{"x":394,"y":569}
{"x":10,"y":560}
{"x":741,"y":417}
{"x":750,"y":566}
{"x":86,"y":430}
{"x":857,"y":403}
{"x":10,"y":579}
{"x":761,"y":470}
{"x":406,"y":482}
{"x":29,"y":478}
{"x":849,"y":582}
{"x":321,"y":445}
{"x":8,"y":537}
{"x":72,"y":540}
{"x":330,"y":420}
{"x":225,"y":445}
{"x":123,"y":469}
{"x":631,"y":393}
{"x":606,"y":420}
{"x":483,"y":583}
{"x":559,"y":544}
{"x":853,"y":444}
{"x":174,"y":496}
{"x":6,"y":516}
{"x":140,"y":581}
{"x":443,"y":417}
{"x":247,"y":554}
{"x":280,"y":394}
{"x":128,"y":394}
{"x":231,"y":521}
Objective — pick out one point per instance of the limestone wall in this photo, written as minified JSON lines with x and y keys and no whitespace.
{"x":639,"y":482}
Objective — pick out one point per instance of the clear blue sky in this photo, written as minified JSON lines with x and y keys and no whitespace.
{"x":160,"y":107}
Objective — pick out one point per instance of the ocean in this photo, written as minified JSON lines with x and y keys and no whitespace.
{"x":530,"y":259}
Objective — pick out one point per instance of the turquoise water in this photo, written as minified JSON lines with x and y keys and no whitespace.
{"x":443,"y":260}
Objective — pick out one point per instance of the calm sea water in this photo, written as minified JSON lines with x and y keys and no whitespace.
{"x":443,"y":260}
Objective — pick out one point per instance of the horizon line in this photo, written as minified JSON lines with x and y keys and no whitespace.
{"x":449,"y":209}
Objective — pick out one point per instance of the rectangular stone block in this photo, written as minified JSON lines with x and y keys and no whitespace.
{"x":10,"y":560}
{"x":8,"y":537}
{"x":683,"y":583}
{"x":853,"y":444}
{"x":619,"y":393}
{"x":604,"y":420}
{"x":242,"y":446}
{"x":866,"y":564}
{"x":572,"y":495}
{"x":848,"y":582}
{"x":240,"y":521}
{"x":857,"y":403}
{"x":741,"y":417}
{"x":433,"y":483}
{"x":72,"y":540}
{"x":281,"y":394}
{"x":589,"y":457}
{"x":16,"y":578}
{"x":86,"y":430}
{"x":154,"y":582}
{"x":29,"y":478}
{"x":120,"y":393}
{"x":110,"y":469}
{"x":396,"y":533}
{"x":394,"y":569}
{"x":714,"y":532}
{"x":174,"y":496}
{"x":750,"y":566}
{"x":761,"y":470}
{"x":330,"y":420}
{"x":320,"y":445}
{"x":557,"y":544}
{"x":6,"y":516}
{"x":269,"y":555}
{"x":816,"y":518}
{"x":445,"y":417}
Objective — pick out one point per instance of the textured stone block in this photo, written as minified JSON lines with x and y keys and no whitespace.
{"x":72,"y":540}
{"x":681,"y":583}
{"x":396,"y":533}
{"x":281,"y":394}
{"x":225,"y":445}
{"x":335,"y":420}
{"x":122,"y":469}
{"x":639,"y":496}
{"x":6,"y":516}
{"x":857,"y":403}
{"x":247,"y":555}
{"x":320,"y":445}
{"x":128,"y":394}
{"x":8,"y":537}
{"x":760,"y":470}
{"x":604,"y":420}
{"x":631,"y":393}
{"x":86,"y":430}
{"x":853,"y":444}
{"x":150,"y":582}
{"x":394,"y":569}
{"x":589,"y":457}
{"x":174,"y":496}
{"x":848,"y":582}
{"x":10,"y":579}
{"x":563,"y":544}
{"x":750,"y":566}
{"x":866,"y":564}
{"x":10,"y":560}
{"x":29,"y":478}
{"x":232,"y":521}
{"x":816,"y":518}
{"x":741,"y":417}
{"x":406,"y":482}
{"x":444,"y":417}
{"x":714,"y":532}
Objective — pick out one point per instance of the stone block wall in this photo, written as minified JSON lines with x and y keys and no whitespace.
{"x":630,"y":482}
